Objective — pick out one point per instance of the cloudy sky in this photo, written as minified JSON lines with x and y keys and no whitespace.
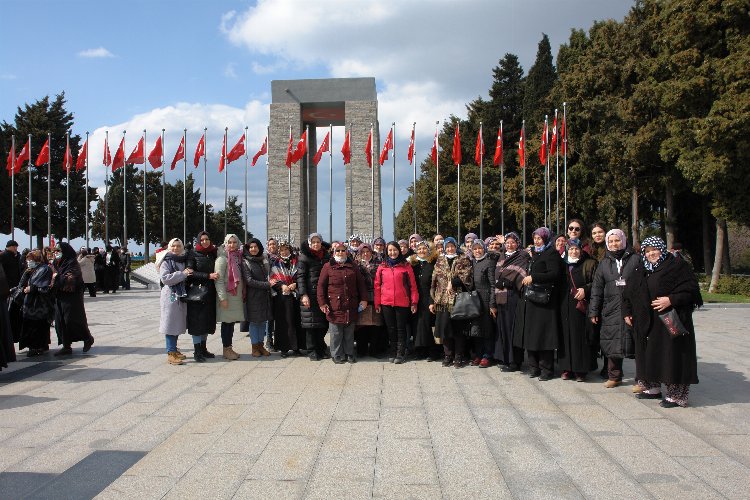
{"x":147,"y":64}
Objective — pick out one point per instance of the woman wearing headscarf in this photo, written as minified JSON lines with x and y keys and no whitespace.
{"x":258,"y":301}
{"x":7,"y":350}
{"x":111,"y":269}
{"x":369,"y":334}
{"x":313,"y":255}
{"x":100,"y":267}
{"x":510,"y":271}
{"x":378,"y":248}
{"x":659,"y":284}
{"x":576,"y":354}
{"x":342,"y":294}
{"x":484,"y":284}
{"x":537,"y":328}
{"x":38,"y":309}
{"x":285,"y":305}
{"x":173,"y":272}
{"x":405,"y":250}
{"x":201,"y":316}
{"x":70,"y":315}
{"x":452,"y":274}
{"x":605,"y":309}
{"x":396,"y":296}
{"x":86,"y":261}
{"x":423,"y":264}
{"x":230,"y":292}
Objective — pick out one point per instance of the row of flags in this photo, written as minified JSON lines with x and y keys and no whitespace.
{"x":295,"y":153}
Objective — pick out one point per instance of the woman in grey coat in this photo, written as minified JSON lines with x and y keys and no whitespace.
{"x":616,"y":337}
{"x":173,"y":320}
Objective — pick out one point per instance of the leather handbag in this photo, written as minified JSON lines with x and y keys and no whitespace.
{"x":538,"y":294}
{"x":582,"y":305}
{"x":673,"y":324}
{"x":197,"y":292}
{"x":467,"y":305}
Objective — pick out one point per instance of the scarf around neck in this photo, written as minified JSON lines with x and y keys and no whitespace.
{"x":234,"y":274}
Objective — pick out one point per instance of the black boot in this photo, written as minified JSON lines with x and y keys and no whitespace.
{"x":400,"y":354}
{"x":198,"y":353}
{"x":206,"y":354}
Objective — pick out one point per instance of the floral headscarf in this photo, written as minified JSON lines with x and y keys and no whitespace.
{"x":656,"y":242}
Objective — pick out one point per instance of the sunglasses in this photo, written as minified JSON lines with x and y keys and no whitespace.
{"x":574,"y":228}
{"x":340,"y":250}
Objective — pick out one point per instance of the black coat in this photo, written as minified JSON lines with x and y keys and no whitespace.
{"x":484,"y":284}
{"x":616,"y":337}
{"x":258,"y":301}
{"x":201,"y":316}
{"x":71,"y":323}
{"x":537,"y":326}
{"x":576,"y":354}
{"x":308,"y":273}
{"x":12,"y":266}
{"x":423,"y":320}
{"x":660,"y":358}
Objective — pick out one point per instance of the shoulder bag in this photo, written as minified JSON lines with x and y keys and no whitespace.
{"x":672,"y":323}
{"x":467,"y":305}
{"x":197,"y":292}
{"x":538,"y":294}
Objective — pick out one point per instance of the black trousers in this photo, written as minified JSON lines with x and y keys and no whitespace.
{"x":455,"y":346}
{"x":542,"y":361}
{"x":316,"y":339}
{"x":396,"y":319}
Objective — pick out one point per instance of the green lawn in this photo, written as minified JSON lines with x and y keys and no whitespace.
{"x":725,"y":297}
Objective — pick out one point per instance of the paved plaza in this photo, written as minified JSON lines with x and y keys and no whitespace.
{"x":122,"y":423}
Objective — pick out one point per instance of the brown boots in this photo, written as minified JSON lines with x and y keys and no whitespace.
{"x":259,"y":350}
{"x":173,"y":358}
{"x":229,"y":354}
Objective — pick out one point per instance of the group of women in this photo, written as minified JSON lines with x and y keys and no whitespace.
{"x":565,"y":300}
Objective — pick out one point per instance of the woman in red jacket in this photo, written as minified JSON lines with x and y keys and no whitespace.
{"x":396,"y":296}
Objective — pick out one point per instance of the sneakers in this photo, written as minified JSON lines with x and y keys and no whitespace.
{"x":609,"y":384}
{"x":646,"y":395}
{"x":665,"y":403}
{"x":565,"y":375}
{"x":229,"y":354}
{"x":173,"y":358}
{"x":475,"y":361}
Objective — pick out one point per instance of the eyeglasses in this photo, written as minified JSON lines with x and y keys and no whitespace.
{"x":574,"y":228}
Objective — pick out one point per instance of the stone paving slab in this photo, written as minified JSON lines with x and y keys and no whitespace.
{"x":292,"y":428}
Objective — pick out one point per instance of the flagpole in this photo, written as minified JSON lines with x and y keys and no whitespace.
{"x":414,"y":160}
{"x":393,"y":129}
{"x":330,"y":182}
{"x":268,"y":176}
{"x":481,"y":183}
{"x":124,"y":194}
{"x":184,"y":185}
{"x":546,"y":171}
{"x":67,"y":190}
{"x":13,"y":188}
{"x":49,"y":186}
{"x":226,"y":178}
{"x":557,"y":177}
{"x":437,"y":179}
{"x":372,"y":177}
{"x":549,"y":176}
{"x":205,"y":156}
{"x":523,"y":138}
{"x":458,"y":194}
{"x":106,"y":190}
{"x":87,"y":190}
{"x":31,"y":230}
{"x":565,"y":163}
{"x":502,"y":184}
{"x":246,"y":182}
{"x":351,"y":186}
{"x":289,"y":197}
{"x":163,"y":190}
{"x":307,"y":173}
{"x":145,"y":233}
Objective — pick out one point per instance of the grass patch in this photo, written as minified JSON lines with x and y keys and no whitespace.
{"x":724,"y":297}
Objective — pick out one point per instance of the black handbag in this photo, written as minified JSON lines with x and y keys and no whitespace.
{"x":197,"y":292}
{"x":673,"y":324}
{"x":538,"y":294}
{"x":468,"y":305}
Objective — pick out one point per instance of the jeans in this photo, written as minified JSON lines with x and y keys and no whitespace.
{"x":197,"y":339}
{"x":227,"y":332}
{"x":342,"y":340}
{"x":257,"y":332}
{"x":171,"y":343}
{"x":396,"y":319}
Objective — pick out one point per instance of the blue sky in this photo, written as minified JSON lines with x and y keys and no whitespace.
{"x":192,"y":64}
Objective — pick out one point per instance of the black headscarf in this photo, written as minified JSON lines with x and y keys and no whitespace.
{"x":69,"y":275}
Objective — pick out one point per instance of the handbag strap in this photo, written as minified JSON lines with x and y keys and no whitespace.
{"x":573,"y":290}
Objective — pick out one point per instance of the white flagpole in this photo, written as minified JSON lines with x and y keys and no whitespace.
{"x":226,"y":178}
{"x":557,"y":176}
{"x":458,"y":196}
{"x":184,"y":187}
{"x":106,"y":191}
{"x":549,"y":175}
{"x":246,"y":182}
{"x":481,"y":183}
{"x":163,"y":189}
{"x":437,"y":179}
{"x":268,"y":173}
{"x":502,"y":184}
{"x":124,"y":194}
{"x":351,"y":184}
{"x":13,"y":188}
{"x":565,"y":164}
{"x":205,"y":156}
{"x":393,"y":130}
{"x":330,"y":182}
{"x":523,"y":137}
{"x":372,"y":177}
{"x":87,"y":189}
{"x":145,"y":233}
{"x":49,"y":186}
{"x":289,"y":198}
{"x":306,"y":162}
{"x":546,"y":172}
{"x":414,"y":160}
{"x":31,"y":230}
{"x":67,"y":189}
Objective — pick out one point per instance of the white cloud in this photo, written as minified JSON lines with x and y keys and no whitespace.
{"x":230,"y":70}
{"x":97,"y":53}
{"x":8,"y":76}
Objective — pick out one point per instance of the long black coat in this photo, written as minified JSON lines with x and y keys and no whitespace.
{"x":576,"y":351}
{"x":201,"y":316}
{"x":484,"y":284}
{"x":258,"y":302}
{"x":537,"y":326}
{"x":423,"y":321}
{"x":660,"y":358}
{"x":616,"y":337}
{"x":308,"y":273}
{"x":71,"y":323}
{"x":12,"y":266}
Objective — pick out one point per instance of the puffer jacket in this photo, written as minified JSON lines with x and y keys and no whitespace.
{"x":258,"y":302}
{"x":341,"y":287}
{"x":308,"y":274}
{"x":395,"y":286}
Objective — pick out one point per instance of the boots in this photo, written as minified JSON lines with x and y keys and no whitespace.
{"x":206,"y":354}
{"x":256,"y":350}
{"x":229,"y":354}
{"x":262,"y":349}
{"x":198,"y":353}
{"x":173,"y":359}
{"x":178,"y":353}
{"x":400,"y":354}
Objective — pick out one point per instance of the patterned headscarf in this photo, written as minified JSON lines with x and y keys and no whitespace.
{"x":513,"y":236}
{"x":656,"y":242}
{"x":546,"y":235}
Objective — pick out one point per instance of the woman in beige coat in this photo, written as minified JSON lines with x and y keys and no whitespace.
{"x":230,"y":292}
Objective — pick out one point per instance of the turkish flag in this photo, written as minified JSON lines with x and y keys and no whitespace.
{"x":155,"y":156}
{"x":107,"y":159}
{"x":368,"y":149}
{"x":43,"y":154}
{"x":388,"y":145}
{"x":180,"y":154}
{"x":263,"y":150}
{"x":67,"y":159}
{"x":498,"y":159}
{"x":553,"y":141}
{"x":237,"y":150}
{"x":24,"y":155}
{"x":138,"y":155}
{"x":324,"y":147}
{"x":11,"y":162}
{"x":223,"y":157}
{"x":522,"y":150}
{"x":456,"y":154}
{"x":200,"y":150}
{"x":434,"y":151}
{"x":410,"y":153}
{"x":346,"y":149}
{"x":301,"y":149}
{"x":290,"y":152}
{"x":479,"y":149}
{"x":543,"y":147}
{"x":119,"y":160}
{"x":81,"y":160}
